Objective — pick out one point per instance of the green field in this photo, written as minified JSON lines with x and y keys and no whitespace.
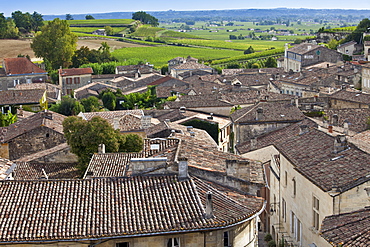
{"x":91,"y":29}
{"x":159,"y":56}
{"x":103,"y":22}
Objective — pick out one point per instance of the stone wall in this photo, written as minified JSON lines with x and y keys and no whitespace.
{"x":30,"y":142}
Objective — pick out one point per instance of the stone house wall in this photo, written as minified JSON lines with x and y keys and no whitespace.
{"x":8,"y":82}
{"x":74,"y":82}
{"x":38,"y":139}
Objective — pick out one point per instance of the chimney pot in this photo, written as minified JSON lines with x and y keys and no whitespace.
{"x":101,"y":148}
{"x":183,"y":169}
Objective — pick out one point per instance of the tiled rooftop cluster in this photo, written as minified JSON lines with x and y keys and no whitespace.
{"x":21,"y":66}
{"x":112,"y":207}
{"x":29,"y":170}
{"x":21,"y":97}
{"x":349,"y":229}
{"x":270,"y":111}
{"x":352,"y":96}
{"x":312,"y":154}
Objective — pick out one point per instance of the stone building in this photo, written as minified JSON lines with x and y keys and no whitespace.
{"x":20,"y":70}
{"x":252,"y":121}
{"x":72,"y":79}
{"x":349,"y":99}
{"x":306,"y":54}
{"x":311,"y":175}
{"x":38,"y":132}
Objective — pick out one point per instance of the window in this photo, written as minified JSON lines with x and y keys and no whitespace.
{"x":294,"y":187}
{"x":77,"y":80}
{"x":286,"y":179}
{"x":315,"y":213}
{"x":68,"y":80}
{"x":124,"y":244}
{"x":295,"y":227}
{"x":283,"y":209}
{"x":173,"y":242}
{"x":226,"y":239}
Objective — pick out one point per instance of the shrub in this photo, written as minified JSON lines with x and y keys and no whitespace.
{"x":268,"y":237}
{"x":271,"y":243}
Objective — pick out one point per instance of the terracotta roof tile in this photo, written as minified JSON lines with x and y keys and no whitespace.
{"x":21,"y":66}
{"x":75,"y":71}
{"x":346,"y":95}
{"x":113,"y":207}
{"x":31,"y":170}
{"x":348,"y":229}
{"x":21,"y":97}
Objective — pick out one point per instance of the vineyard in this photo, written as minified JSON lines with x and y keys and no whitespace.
{"x":159,"y":56}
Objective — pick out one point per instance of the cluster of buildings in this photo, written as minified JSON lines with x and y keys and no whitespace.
{"x":280,"y":150}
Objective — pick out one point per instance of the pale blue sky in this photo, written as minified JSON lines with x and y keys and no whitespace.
{"x":50,"y":7}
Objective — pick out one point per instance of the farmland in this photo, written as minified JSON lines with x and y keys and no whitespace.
{"x":159,"y":56}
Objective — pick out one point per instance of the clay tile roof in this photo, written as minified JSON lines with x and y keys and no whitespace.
{"x":116,"y":164}
{"x":271,"y":112}
{"x":110,"y":114}
{"x":191,"y":65}
{"x":75,"y":71}
{"x":21,"y":66}
{"x":312,"y":154}
{"x":21,"y":97}
{"x":356,"y":117}
{"x":31,"y":170}
{"x":348,"y":229}
{"x":48,"y":119}
{"x":114,"y":207}
{"x":303,"y":48}
{"x":5,"y":164}
{"x":346,"y":95}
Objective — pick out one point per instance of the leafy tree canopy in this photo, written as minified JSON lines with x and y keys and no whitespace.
{"x":271,"y":62}
{"x":27,"y":22}
{"x":84,"y":138}
{"x":249,"y":50}
{"x":360,"y":29}
{"x":68,"y":106}
{"x":7,"y":119}
{"x":145,"y":18}
{"x":56,"y":43}
{"x":89,"y":17}
{"x":8,"y":29}
{"x":91,"y":104}
{"x":69,"y":17}
{"x":109,"y":100}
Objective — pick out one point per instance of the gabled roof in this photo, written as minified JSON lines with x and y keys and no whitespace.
{"x":351,"y":96}
{"x":49,"y":119}
{"x":21,"y":66}
{"x":73,"y":210}
{"x":21,"y":97}
{"x":191,"y":65}
{"x":110,"y":114}
{"x":312,"y":154}
{"x":348,"y":229}
{"x":168,"y":80}
{"x":271,"y":112}
{"x":75,"y":71}
{"x":303,"y":48}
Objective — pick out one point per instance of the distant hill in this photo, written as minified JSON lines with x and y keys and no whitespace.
{"x":347,"y":15}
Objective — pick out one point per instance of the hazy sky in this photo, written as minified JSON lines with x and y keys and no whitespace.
{"x":49,"y":7}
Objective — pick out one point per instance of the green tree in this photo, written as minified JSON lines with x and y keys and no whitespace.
{"x":37,"y":21}
{"x":109,"y":100}
{"x":8,"y":29}
{"x":145,"y":18}
{"x":56,"y":43}
{"x":333,"y":43}
{"x":68,"y":106}
{"x":271,"y":62}
{"x":249,"y":50}
{"x":69,"y":17}
{"x":133,"y":143}
{"x":7,"y":119}
{"x":109,"y":30}
{"x":360,"y":29}
{"x":84,"y":138}
{"x":22,"y":20}
{"x":91,"y":104}
{"x":89,"y":17}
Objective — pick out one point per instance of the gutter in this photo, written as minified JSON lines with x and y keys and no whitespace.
{"x":144,"y":234}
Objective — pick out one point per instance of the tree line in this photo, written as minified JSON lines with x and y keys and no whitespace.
{"x":20,"y":23}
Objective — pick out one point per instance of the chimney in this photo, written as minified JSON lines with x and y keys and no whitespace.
{"x":345,"y":128}
{"x":340,"y":143}
{"x":303,"y":129}
{"x":116,"y":123}
{"x":183,"y":169}
{"x":254,"y":143}
{"x":296,"y":102}
{"x":210,"y":116}
{"x":209,"y":206}
{"x":259,"y":114}
{"x":101,"y":148}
